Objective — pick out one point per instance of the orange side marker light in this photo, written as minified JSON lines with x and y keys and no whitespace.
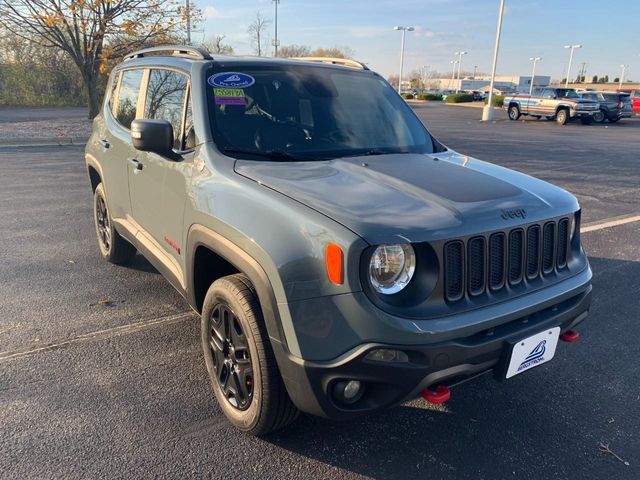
{"x":333,"y":261}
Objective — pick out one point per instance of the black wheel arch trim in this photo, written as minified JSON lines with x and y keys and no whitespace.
{"x":296,"y":381}
{"x":202,"y":236}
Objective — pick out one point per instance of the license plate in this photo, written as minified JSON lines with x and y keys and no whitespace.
{"x":533,"y":351}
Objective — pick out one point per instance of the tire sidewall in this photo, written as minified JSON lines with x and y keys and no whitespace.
{"x":561,"y":117}
{"x":599,"y":117}
{"x":247,"y":419}
{"x":99,"y":193}
{"x":514,"y":112}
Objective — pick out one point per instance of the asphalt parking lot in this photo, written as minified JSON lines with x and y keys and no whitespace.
{"x":101,"y":373}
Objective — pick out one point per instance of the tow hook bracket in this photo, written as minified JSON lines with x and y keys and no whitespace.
{"x":441,"y":394}
{"x":570,"y":336}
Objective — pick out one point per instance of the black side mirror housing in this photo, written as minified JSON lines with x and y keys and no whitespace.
{"x":152,"y":136}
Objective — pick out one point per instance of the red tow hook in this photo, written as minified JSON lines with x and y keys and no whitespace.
{"x":570,"y":336}
{"x":441,"y":394}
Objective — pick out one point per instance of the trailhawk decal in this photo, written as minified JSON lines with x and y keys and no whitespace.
{"x":231,"y":80}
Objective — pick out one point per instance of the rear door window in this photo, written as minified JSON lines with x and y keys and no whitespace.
{"x":128,"y":94}
{"x":165,"y":100}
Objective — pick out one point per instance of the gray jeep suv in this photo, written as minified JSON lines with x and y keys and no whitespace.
{"x":341,"y":258}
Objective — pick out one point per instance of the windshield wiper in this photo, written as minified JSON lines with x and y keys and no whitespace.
{"x":276,"y":155}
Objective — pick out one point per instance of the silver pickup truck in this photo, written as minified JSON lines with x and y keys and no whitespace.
{"x":563,"y":104}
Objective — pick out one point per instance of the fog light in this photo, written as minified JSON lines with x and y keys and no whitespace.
{"x":348,"y":391}
{"x":387,"y":355}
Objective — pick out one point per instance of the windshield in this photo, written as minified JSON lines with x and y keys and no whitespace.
{"x":288,"y":112}
{"x":567,"y":93}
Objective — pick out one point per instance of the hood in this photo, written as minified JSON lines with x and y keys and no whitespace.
{"x":414,"y":197}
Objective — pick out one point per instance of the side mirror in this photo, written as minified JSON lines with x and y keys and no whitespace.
{"x":152,"y":136}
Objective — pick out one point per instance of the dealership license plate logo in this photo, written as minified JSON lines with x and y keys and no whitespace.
{"x":533,"y":351}
{"x":231,"y":80}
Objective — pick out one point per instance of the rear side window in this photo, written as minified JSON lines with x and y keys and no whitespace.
{"x":165,"y":100}
{"x":113,"y":91}
{"x":128,"y":97}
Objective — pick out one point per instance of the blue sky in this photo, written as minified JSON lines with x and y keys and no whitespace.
{"x":609,"y":31}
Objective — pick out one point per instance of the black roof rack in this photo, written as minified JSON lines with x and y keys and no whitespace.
{"x":174,"y":50}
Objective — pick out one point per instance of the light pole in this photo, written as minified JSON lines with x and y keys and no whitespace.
{"x":425,"y":69}
{"x":487,"y":111}
{"x":475,"y":69}
{"x":624,"y":68}
{"x":533,"y":73}
{"x":460,"y":54}
{"x":276,"y":42}
{"x":571,"y":48}
{"x":404,"y":30}
{"x":453,"y":73}
{"x":187,"y":14}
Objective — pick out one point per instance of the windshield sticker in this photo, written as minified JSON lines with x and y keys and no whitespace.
{"x":229,"y":96}
{"x":231,"y":80}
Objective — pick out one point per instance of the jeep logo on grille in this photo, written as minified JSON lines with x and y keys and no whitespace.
{"x":515,"y":213}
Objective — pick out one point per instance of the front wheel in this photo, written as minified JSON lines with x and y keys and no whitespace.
{"x":599,"y":116}
{"x":514,"y":112}
{"x":562,"y":117}
{"x":113,"y":248}
{"x":240,"y":361}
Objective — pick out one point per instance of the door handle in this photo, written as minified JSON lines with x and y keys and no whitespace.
{"x":136,"y":164}
{"x":105,"y":143}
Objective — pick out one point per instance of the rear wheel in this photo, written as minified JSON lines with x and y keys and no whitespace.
{"x":562,"y":117}
{"x":599,"y":116}
{"x":240,"y":361}
{"x":113,"y":247}
{"x":514,"y":112}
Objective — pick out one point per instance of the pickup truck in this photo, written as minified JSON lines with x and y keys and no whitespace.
{"x":563,"y":104}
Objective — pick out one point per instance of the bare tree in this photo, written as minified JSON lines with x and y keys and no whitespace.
{"x":257,"y":34}
{"x":290,"y":51}
{"x":333,"y":52}
{"x":217,"y":45}
{"x":93,"y":32}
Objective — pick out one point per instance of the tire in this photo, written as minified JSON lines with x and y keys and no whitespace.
{"x":514,"y":112}
{"x":599,"y":116}
{"x":562,"y":117}
{"x":113,"y":248}
{"x":240,"y":361}
{"x":586,"y":120}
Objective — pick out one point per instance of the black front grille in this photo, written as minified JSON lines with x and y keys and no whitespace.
{"x":476,"y":265}
{"x":494,"y":261}
{"x":533,"y":251}
{"x":454,"y":269}
{"x":516,"y":256}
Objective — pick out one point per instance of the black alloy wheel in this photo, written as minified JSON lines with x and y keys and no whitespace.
{"x":103,"y":224}
{"x":229,"y":350}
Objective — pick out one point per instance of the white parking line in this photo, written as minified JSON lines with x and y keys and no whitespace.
{"x":106,"y":333}
{"x":614,"y":222}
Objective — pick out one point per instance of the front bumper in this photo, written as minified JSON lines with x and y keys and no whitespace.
{"x":447,"y":362}
{"x":582,"y":113}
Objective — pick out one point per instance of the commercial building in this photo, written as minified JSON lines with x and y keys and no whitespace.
{"x":505,"y":83}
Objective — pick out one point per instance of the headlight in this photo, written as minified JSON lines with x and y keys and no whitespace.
{"x":392,"y":267}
